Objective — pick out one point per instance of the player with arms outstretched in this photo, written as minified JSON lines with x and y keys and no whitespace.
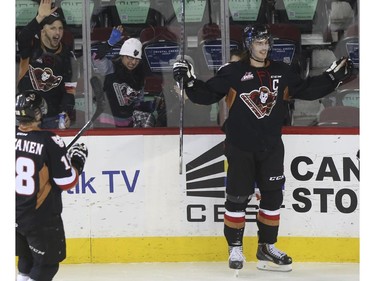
{"x":44,"y":168}
{"x":255,"y":89}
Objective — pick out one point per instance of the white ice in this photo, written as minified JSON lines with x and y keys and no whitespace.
{"x":204,"y":271}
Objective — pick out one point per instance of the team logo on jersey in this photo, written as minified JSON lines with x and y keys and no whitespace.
{"x":125,"y":94}
{"x":43,"y":79}
{"x":260,"y":101}
{"x":247,"y":76}
{"x":58,"y":140}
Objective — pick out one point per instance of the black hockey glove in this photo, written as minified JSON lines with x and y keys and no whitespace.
{"x":182,"y":69}
{"x":340,"y":70}
{"x":77,"y":155}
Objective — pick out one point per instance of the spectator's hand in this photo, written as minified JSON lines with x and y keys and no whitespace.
{"x":67,"y":120}
{"x":116,"y":35}
{"x":77,"y":155}
{"x":340,"y":70}
{"x":184,"y":70}
{"x":45,"y":9}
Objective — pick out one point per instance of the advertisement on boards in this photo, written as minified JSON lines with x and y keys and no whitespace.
{"x":131,"y":187}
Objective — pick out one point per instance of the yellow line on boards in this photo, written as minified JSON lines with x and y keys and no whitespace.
{"x":190,"y":249}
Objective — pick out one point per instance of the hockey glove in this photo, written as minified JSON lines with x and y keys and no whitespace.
{"x":340,"y":70}
{"x":115,"y":37}
{"x":184,"y":70}
{"x":77,"y":155}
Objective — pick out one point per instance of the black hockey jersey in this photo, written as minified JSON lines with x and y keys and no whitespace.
{"x":255,"y":99}
{"x":42,"y":172}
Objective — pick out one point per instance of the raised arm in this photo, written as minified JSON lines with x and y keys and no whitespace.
{"x":319,"y":86}
{"x":198,"y":91}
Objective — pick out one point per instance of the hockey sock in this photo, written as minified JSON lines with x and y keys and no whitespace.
{"x":234,"y":226}
{"x":268,"y":225}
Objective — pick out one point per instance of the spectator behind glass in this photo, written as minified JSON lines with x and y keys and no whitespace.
{"x":124,"y":82}
{"x":45,"y":64}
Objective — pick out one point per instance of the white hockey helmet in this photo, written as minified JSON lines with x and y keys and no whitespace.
{"x":132,"y":48}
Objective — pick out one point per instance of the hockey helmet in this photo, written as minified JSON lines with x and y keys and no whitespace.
{"x":29,"y":105}
{"x":257,"y":32}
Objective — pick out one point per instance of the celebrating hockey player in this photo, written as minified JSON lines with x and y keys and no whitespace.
{"x":254,"y":88}
{"x":44,"y":168}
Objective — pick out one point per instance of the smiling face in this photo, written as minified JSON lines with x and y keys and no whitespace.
{"x":259,"y":49}
{"x":52,"y":34}
{"x":130,"y":62}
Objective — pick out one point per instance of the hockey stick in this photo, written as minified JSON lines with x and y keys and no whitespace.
{"x":182,"y":101}
{"x":99,"y":99}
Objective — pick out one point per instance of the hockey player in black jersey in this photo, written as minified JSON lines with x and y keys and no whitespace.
{"x":254,"y":89}
{"x":44,"y":168}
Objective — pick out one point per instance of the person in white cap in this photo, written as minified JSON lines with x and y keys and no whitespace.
{"x":124,"y":82}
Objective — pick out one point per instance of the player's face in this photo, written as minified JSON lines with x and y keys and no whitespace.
{"x":52,"y":34}
{"x":130,"y":62}
{"x":259,"y":49}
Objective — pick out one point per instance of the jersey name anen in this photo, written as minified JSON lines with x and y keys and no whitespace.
{"x":29,"y":146}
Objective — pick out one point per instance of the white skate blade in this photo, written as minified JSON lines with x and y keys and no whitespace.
{"x":270,"y":266}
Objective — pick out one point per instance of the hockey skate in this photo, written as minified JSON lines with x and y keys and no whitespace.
{"x":272,"y":259}
{"x":236,"y":258}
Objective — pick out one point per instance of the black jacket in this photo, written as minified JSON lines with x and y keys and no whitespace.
{"x":45,"y":70}
{"x":124,"y":89}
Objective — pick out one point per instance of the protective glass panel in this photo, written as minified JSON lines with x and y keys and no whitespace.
{"x":111,"y":54}
{"x":246,"y":10}
{"x":353,"y":52}
{"x":133,"y":12}
{"x":194,"y":10}
{"x":26,"y":10}
{"x":73,"y":11}
{"x":300,"y":9}
{"x":351,"y":99}
{"x":212,"y":54}
{"x":283,"y":52}
{"x":160,"y":56}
